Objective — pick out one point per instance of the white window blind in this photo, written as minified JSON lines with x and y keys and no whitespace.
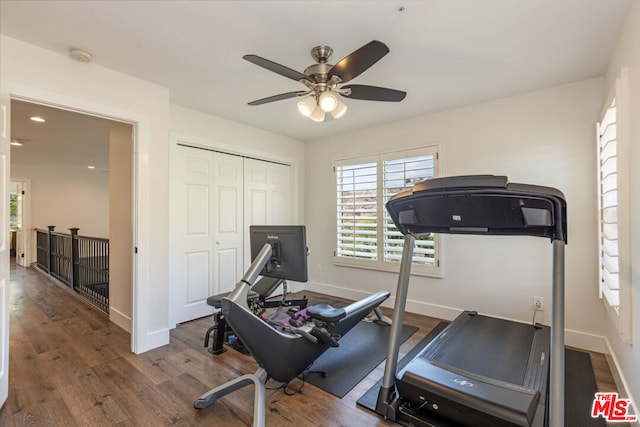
{"x":366,"y":236}
{"x":608,"y":191}
{"x":399,"y":175}
{"x":614,"y":207}
{"x":608,"y":177}
{"x":357,"y":210}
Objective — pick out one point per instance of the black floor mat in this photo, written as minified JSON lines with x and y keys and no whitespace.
{"x":579,"y":390}
{"x":368,"y":400}
{"x":360,"y":351}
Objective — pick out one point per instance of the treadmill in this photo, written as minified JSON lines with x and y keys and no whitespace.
{"x":479,"y":371}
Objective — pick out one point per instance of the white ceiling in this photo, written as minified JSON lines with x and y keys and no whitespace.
{"x":443,"y":53}
{"x":66,"y":139}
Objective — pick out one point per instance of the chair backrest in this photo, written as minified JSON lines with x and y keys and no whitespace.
{"x":265,"y":286}
{"x":282,"y":355}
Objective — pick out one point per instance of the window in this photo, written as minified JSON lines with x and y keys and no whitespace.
{"x":14,"y":220}
{"x":613,"y":209}
{"x":609,"y":260}
{"x":365,"y":234}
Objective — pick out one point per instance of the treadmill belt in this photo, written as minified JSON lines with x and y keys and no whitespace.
{"x":487,"y":346}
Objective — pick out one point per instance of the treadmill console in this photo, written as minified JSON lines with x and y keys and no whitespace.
{"x":482,"y":204}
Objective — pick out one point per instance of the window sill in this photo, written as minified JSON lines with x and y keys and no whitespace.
{"x":416,"y":270}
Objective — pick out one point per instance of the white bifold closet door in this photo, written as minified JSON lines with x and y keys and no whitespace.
{"x":267,"y":197}
{"x":211,"y":213}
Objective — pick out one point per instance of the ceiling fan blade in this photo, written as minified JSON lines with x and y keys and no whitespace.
{"x":275,"y":67}
{"x":374,"y":93}
{"x":279,"y":97}
{"x":359,"y":61}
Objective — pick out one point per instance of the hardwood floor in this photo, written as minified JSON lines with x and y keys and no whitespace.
{"x":70,"y":366}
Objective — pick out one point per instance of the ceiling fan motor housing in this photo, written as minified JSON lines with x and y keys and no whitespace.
{"x":318,"y":73}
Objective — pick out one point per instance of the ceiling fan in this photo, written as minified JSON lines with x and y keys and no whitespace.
{"x":323,"y":81}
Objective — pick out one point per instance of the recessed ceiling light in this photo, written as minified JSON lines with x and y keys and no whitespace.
{"x":37,"y":119}
{"x":91,"y":167}
{"x":18,"y":142}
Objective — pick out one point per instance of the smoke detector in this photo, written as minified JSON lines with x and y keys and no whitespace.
{"x":80,"y":55}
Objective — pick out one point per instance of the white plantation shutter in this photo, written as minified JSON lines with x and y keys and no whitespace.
{"x":357,"y":210}
{"x":400,"y":174}
{"x":608,"y":191}
{"x":365,"y":234}
{"x":614,"y":191}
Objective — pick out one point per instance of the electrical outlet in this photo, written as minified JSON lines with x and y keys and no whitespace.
{"x":538,"y":303}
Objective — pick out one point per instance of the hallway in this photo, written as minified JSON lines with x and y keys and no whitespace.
{"x":55,"y":341}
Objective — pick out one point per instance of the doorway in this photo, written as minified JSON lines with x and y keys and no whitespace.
{"x":68,"y":160}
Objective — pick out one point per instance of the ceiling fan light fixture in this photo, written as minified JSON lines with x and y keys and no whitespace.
{"x":317,"y":115}
{"x":328,"y":101}
{"x":340,"y":110}
{"x":306,"y":106}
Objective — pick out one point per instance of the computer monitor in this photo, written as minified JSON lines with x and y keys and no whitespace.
{"x":289,"y":250}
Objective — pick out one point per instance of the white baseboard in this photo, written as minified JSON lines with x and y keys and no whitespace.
{"x":153,"y":340}
{"x":577,"y":339}
{"x":120,"y":319}
{"x":585,"y":341}
{"x":621,"y":382}
{"x":412,"y":306}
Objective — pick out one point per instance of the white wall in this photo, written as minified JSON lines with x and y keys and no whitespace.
{"x":33,"y":73}
{"x":67,"y":198}
{"x":545,"y":138}
{"x":627,"y":53}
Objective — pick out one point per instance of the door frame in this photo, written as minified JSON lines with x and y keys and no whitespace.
{"x":5,"y":178}
{"x":140,"y":341}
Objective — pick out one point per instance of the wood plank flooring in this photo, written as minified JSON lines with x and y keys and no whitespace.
{"x":70,"y":366}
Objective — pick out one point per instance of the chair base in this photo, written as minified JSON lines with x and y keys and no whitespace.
{"x":258,"y":379}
